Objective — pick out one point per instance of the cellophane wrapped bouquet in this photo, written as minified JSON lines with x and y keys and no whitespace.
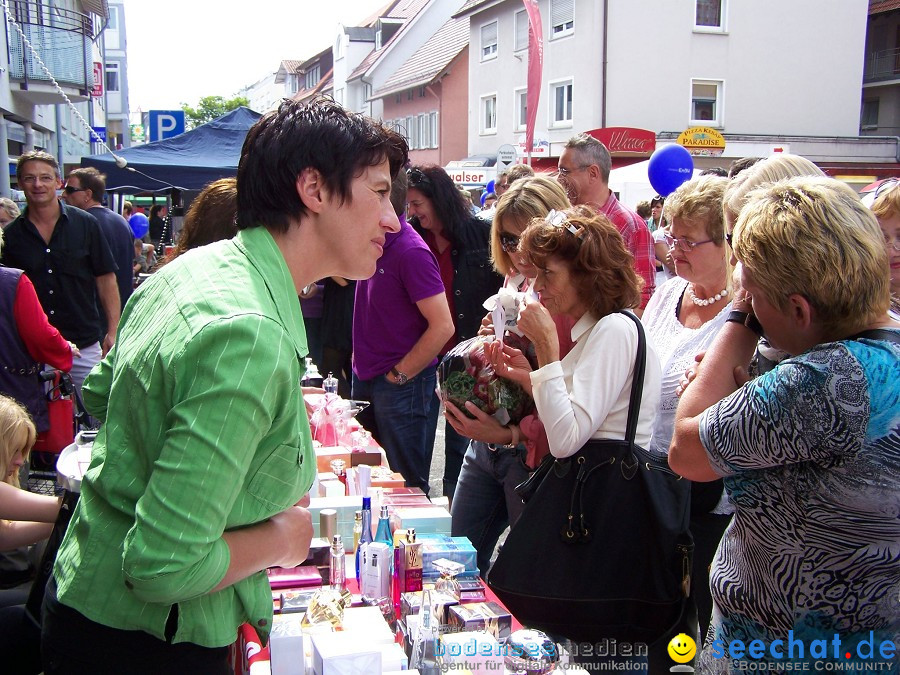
{"x":466,"y":374}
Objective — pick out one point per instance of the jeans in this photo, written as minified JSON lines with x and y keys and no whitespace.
{"x":82,"y":365}
{"x":485,"y":501}
{"x":404,"y":422}
{"x":455,"y":447}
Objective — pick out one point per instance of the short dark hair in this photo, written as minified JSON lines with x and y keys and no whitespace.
{"x":155,"y":209}
{"x":444,"y":196}
{"x":319,"y":135}
{"x":741,"y":164}
{"x":91,"y":179}
{"x":715,"y":171}
{"x":36,"y":156}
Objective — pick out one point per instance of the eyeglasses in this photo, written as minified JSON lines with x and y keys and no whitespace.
{"x":417,"y":177}
{"x":509,"y":242}
{"x":684,"y":244}
{"x":563,"y":171}
{"x":728,"y":238}
{"x":69,"y":190}
{"x":45,"y":178}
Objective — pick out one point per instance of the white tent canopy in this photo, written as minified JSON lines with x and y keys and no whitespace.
{"x":632,"y":184}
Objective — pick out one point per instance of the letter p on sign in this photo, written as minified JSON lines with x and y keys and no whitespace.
{"x":166,"y":124}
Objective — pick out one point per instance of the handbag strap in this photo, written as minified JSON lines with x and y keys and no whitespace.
{"x":637,"y":382}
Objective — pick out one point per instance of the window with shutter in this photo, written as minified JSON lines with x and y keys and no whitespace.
{"x":489,"y":41}
{"x":562,"y":17}
{"x":521,"y":31}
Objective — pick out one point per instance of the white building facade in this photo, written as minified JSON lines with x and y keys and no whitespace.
{"x":766,"y":74}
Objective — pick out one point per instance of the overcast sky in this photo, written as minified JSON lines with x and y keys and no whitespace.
{"x":182,"y":50}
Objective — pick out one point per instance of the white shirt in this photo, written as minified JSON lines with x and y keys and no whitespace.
{"x":585,"y":395}
{"x":676,"y":346}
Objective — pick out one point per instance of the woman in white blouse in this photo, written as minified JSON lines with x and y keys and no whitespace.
{"x":584,"y":272}
{"x":682,"y":318}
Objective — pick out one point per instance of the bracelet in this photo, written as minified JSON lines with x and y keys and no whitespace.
{"x":747,"y":319}
{"x":515,"y":437}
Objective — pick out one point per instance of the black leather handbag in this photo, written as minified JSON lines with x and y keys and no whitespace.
{"x":602,"y":549}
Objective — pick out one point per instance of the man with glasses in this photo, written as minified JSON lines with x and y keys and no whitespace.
{"x":64,"y":252}
{"x":583,"y":170}
{"x":84,"y":189}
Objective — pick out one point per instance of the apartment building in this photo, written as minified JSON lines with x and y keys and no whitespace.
{"x":64,"y":37}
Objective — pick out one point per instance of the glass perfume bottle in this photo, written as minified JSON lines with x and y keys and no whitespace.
{"x":330,"y":384}
{"x":338,"y":570}
{"x":357,"y":529}
{"x":366,"y":535}
{"x":425,"y":649}
{"x":448,"y":570}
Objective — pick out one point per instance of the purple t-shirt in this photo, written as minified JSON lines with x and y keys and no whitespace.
{"x":386,"y":321}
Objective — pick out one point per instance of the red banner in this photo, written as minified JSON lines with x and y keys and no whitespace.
{"x":535,"y":69}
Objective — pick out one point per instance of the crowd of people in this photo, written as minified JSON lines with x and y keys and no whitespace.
{"x":768,"y":296}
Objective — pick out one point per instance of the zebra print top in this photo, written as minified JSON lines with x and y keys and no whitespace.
{"x":810,"y":453}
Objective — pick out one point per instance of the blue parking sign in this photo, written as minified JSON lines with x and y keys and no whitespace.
{"x":165,"y":124}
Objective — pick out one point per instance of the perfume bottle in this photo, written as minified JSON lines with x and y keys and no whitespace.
{"x":330,"y":384}
{"x":383,"y":533}
{"x":366,"y":535}
{"x":448,"y":570}
{"x":425,"y":649}
{"x":357,"y":529}
{"x":409,"y":574}
{"x":339,"y":469}
{"x":338,"y":572}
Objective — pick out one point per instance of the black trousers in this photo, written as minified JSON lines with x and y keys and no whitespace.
{"x":72,"y":643}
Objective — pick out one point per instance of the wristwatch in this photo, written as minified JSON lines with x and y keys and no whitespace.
{"x":747,"y":319}
{"x":402,"y":378}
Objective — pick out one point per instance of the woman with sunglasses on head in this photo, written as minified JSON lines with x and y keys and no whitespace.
{"x":502,"y":456}
{"x":585,"y":273}
{"x":460,"y":242}
{"x":682,"y":318}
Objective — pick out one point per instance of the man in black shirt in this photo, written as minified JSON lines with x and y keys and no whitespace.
{"x":84,"y":189}
{"x":63,"y":251}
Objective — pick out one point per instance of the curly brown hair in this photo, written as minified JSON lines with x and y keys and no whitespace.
{"x":601,"y":266}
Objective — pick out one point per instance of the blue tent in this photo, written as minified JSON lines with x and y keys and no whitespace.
{"x":184,"y":162}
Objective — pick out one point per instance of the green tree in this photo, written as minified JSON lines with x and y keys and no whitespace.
{"x":209,"y":108}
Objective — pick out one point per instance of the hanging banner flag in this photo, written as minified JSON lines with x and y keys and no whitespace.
{"x":535,"y":69}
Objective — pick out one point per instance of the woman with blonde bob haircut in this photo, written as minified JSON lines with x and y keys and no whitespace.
{"x":525,"y":200}
{"x":500,"y":456}
{"x":808,"y":451}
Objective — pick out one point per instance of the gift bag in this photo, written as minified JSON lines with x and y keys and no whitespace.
{"x":602,"y":549}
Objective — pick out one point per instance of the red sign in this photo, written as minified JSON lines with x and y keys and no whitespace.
{"x":97,"y":89}
{"x":626,"y":140}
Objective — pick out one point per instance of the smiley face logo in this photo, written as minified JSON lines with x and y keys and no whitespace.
{"x":682,"y":648}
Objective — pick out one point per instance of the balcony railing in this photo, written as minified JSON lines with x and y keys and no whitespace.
{"x":883,"y":65}
{"x":62,"y":39}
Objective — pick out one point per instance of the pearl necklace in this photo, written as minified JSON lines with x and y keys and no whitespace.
{"x":708,"y":301}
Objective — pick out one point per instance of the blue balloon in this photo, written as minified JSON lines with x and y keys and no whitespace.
{"x":490,"y":186}
{"x":669,"y":167}
{"x":139,"y":225}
